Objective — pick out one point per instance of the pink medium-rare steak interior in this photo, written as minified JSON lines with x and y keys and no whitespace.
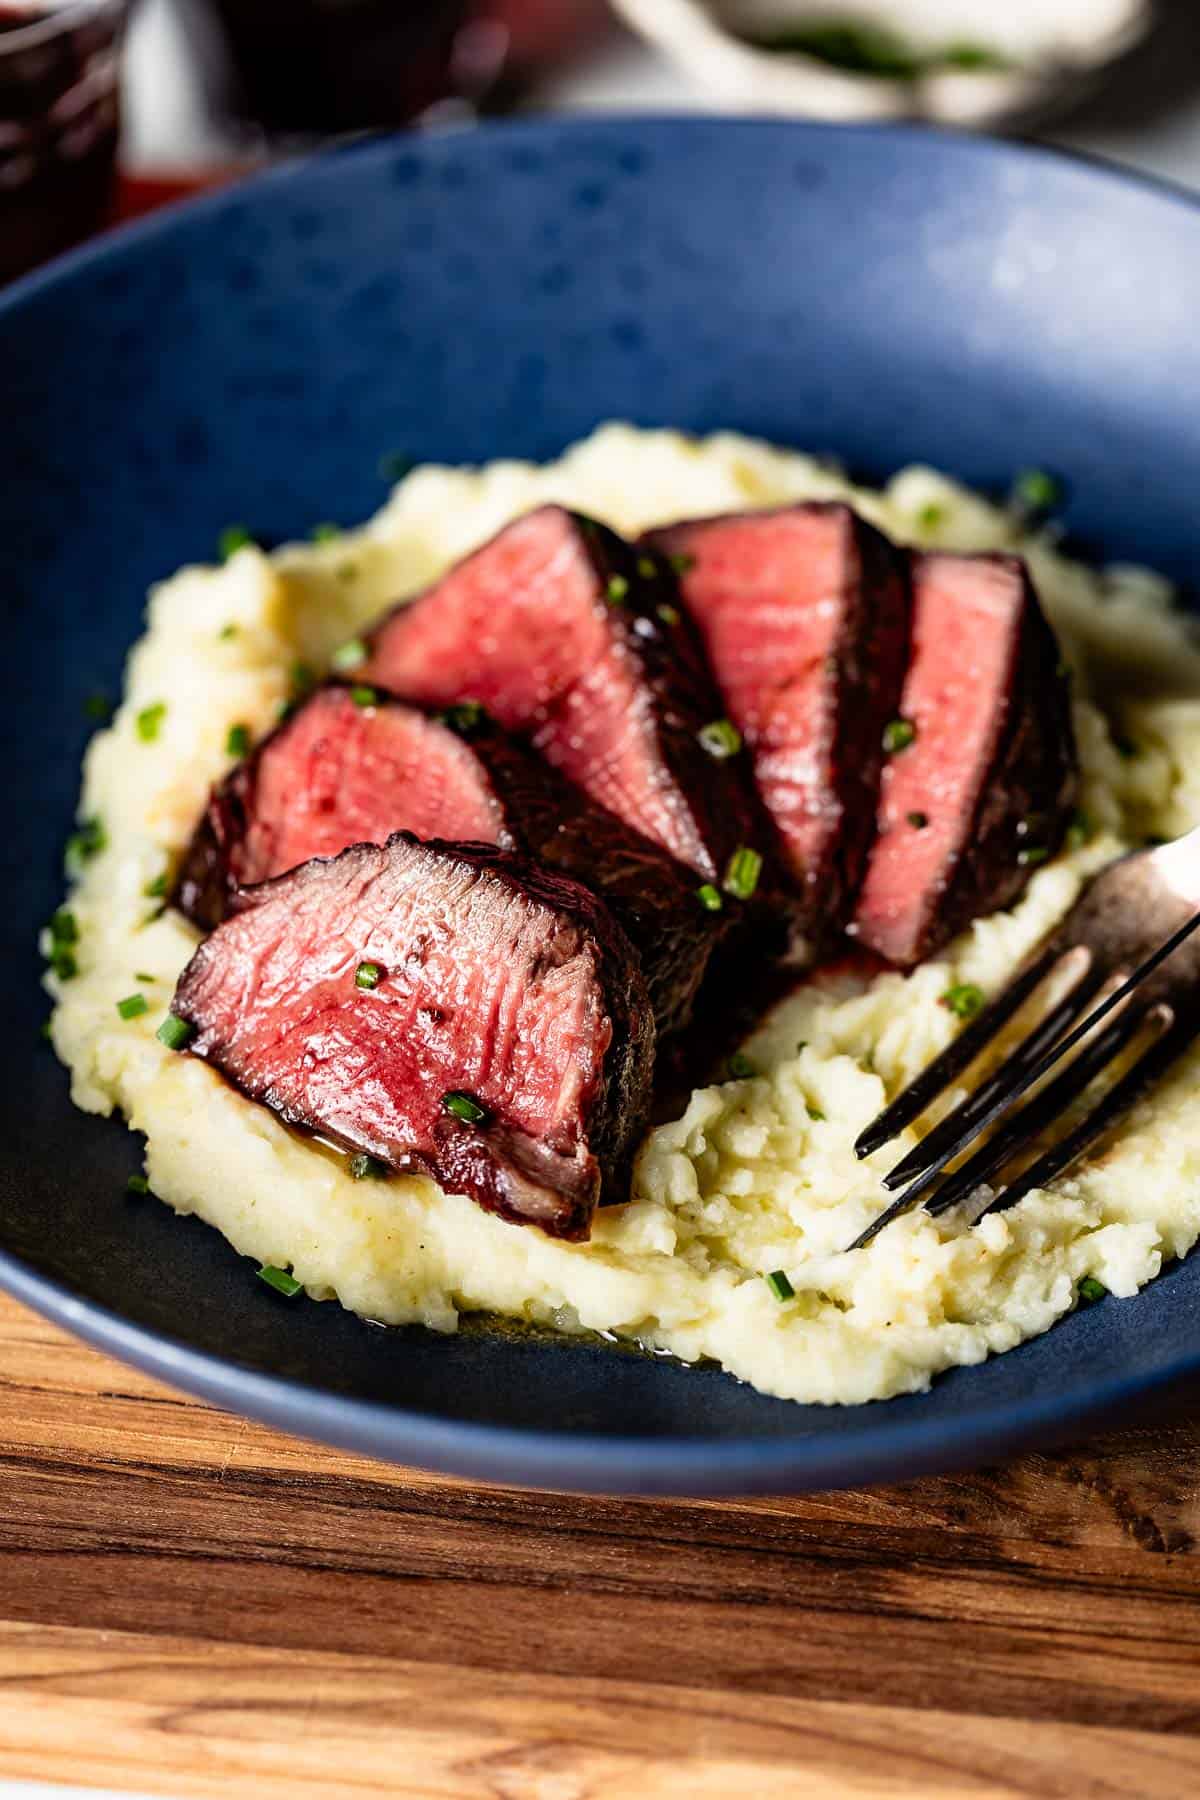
{"x":492,"y":987}
{"x":981,"y":792}
{"x":354,"y":765}
{"x":567,"y":636}
{"x":804,"y":614}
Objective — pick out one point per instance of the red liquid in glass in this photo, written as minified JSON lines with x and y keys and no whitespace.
{"x":58,"y":129}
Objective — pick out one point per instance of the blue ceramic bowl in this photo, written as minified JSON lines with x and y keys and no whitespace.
{"x":881,"y":294}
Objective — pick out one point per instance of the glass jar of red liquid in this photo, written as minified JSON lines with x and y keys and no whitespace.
{"x":58,"y":124}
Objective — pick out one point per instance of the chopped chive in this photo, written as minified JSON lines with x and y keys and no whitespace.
{"x":617,"y":590}
{"x":918,"y":820}
{"x":779,"y":1285}
{"x":364,"y":696}
{"x":148,"y":722}
{"x":368,"y":1168}
{"x":347,"y":571}
{"x":1090,"y":1290}
{"x":137,"y":1184}
{"x":280,"y":1280}
{"x":141,"y":975}
{"x":898,"y":734}
{"x":814,"y":1113}
{"x":1031,"y":855}
{"x":368,"y":975}
{"x":394,"y":465}
{"x":682,"y":563}
{"x":1035,"y":491}
{"x":152,"y":918}
{"x":325,"y":533}
{"x":227,"y":631}
{"x":742,"y":872}
{"x":154,"y":890}
{"x":741,"y":1067}
{"x":721,"y":738}
{"x":63,"y":927}
{"x":237,"y":743}
{"x":175,"y":1033}
{"x":668,"y":614}
{"x":931,"y":517}
{"x":90,"y":839}
{"x":709,"y":897}
{"x":1079,"y":831}
{"x":646,"y":568}
{"x":233,"y":539}
{"x":465,"y":716}
{"x":133,"y":1006}
{"x":301,"y":679}
{"x":98,"y":706}
{"x":349,"y":655}
{"x":63,"y":963}
{"x":963,"y":999}
{"x":465,"y":1107}
{"x":973,"y":57}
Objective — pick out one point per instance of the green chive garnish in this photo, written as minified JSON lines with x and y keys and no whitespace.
{"x":963,"y":999}
{"x":682,"y":563}
{"x":325,"y":533}
{"x":918,"y":820}
{"x":301,"y":679}
{"x":466,"y":716}
{"x":1079,"y":831}
{"x":740,"y":1067}
{"x":709,"y":897}
{"x":617,"y":590}
{"x":814,"y":1113}
{"x":898,"y":734}
{"x":368,"y":975}
{"x":368,"y":1168}
{"x":98,"y":707}
{"x":721,"y":738}
{"x":742,"y":872}
{"x":280,"y":1280}
{"x":779,"y":1285}
{"x":137,"y":1184}
{"x":349,"y":655}
{"x":233,"y":539}
{"x":394,"y":465}
{"x":148,"y":722}
{"x":1090,"y":1290}
{"x":668,"y":614}
{"x":154,"y":890}
{"x":226,"y":632}
{"x":63,"y":927}
{"x":141,"y":975}
{"x":63,"y":963}
{"x":90,"y":839}
{"x":175,"y":1033}
{"x":646,"y":568}
{"x":133,"y":1006}
{"x":1035,"y":491}
{"x":931,"y":517}
{"x":238,"y":741}
{"x":364,"y":696}
{"x":465,"y":1107}
{"x":1031,"y":855}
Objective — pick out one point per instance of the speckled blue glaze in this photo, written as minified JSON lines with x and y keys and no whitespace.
{"x":881,"y":294}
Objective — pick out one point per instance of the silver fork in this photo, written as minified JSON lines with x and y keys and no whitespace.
{"x":1128,"y":957}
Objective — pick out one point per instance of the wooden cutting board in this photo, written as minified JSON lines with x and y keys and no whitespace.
{"x":192,"y":1604}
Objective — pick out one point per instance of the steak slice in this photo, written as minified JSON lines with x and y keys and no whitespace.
{"x":339,"y":773}
{"x":804,"y":613}
{"x":445,"y":1009}
{"x":982,"y":792}
{"x":569,"y":636}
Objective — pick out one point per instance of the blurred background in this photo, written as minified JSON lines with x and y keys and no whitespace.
{"x":108,"y":107}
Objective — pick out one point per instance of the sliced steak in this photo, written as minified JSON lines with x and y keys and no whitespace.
{"x":568,"y":635}
{"x":450,"y":1010}
{"x":804,"y":613}
{"x":339,"y":772}
{"x":981,"y":792}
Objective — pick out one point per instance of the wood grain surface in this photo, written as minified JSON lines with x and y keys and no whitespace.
{"x":192,"y":1604}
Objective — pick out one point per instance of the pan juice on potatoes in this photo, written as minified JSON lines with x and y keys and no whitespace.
{"x":756,"y":1174}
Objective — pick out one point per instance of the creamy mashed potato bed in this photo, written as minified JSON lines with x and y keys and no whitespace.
{"x":757,"y":1174}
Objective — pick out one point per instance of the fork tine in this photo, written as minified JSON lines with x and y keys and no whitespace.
{"x":956,"y":1057}
{"x":956,"y":1130}
{"x":1038,"y":1113}
{"x":1125,"y":1093}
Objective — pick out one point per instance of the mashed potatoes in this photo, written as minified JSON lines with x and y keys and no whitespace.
{"x":757,"y":1174}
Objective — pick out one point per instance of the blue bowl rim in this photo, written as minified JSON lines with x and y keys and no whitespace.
{"x":567,"y":1461}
